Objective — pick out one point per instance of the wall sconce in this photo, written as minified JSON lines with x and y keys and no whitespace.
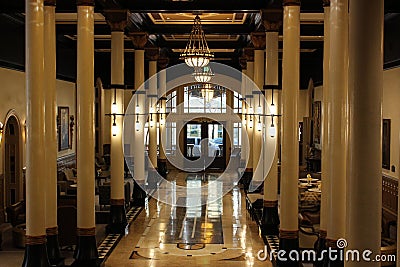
{"x":114,"y":127}
{"x":1,"y":131}
{"x":272,"y":128}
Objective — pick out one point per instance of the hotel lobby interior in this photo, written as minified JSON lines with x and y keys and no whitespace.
{"x":199,"y":132}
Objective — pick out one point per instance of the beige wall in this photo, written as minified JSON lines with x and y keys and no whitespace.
{"x":391,"y":110}
{"x":13,"y":99}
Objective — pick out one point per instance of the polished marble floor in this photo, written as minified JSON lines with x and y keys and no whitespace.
{"x":220,"y":233}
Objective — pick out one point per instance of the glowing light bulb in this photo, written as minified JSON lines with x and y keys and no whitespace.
{"x":114,"y":129}
{"x":259,"y":110}
{"x":259,"y":126}
{"x":272,"y":109}
{"x":272,"y":130}
{"x":114,"y":108}
{"x":137,"y":126}
{"x":137,"y":110}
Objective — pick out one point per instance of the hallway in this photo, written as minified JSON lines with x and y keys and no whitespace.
{"x":217,"y":234}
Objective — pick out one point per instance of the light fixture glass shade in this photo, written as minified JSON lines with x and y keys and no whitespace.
{"x":272,"y":109}
{"x":197,"y":53}
{"x":137,"y":110}
{"x":114,"y":108}
{"x":251,"y":110}
{"x":203,"y":75}
{"x":272,"y":130}
{"x":250,"y":123}
{"x":137,"y":126}
{"x":207,"y":92}
{"x":259,"y":126}
{"x":259,"y":110}
{"x":114,"y":129}
{"x":152,"y":110}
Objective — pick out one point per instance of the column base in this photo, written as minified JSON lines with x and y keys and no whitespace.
{"x":288,"y":241}
{"x":246,"y":178}
{"x":331,"y":245}
{"x":36,"y":252}
{"x":320,"y":246}
{"x":162,"y":167}
{"x":118,"y":222}
{"x":86,"y":254}
{"x":152,"y":179}
{"x":53,"y":248}
{"x":138,"y":196}
{"x":270,"y":218}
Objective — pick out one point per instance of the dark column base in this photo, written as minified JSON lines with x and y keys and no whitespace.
{"x":162,"y":167}
{"x":320,"y":246}
{"x":118,"y":222}
{"x":86,"y":254}
{"x":53,"y":248}
{"x":270,"y":218}
{"x":36,"y":252}
{"x":288,"y":241}
{"x":339,"y":262}
{"x":152,"y":179}
{"x":246,"y":179}
{"x":138,"y":196}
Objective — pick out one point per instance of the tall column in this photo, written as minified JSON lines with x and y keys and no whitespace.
{"x":139,"y":40}
{"x":324,"y":136}
{"x":152,"y":54}
{"x":272,"y":20}
{"x":162,"y":160}
{"x":53,"y":249}
{"x":230,"y":104}
{"x":337,"y":140}
{"x":288,"y":232}
{"x":86,"y":250}
{"x":117,"y":20}
{"x":35,"y":250}
{"x":248,"y":174}
{"x":258,"y":40}
{"x":363,"y":231}
{"x":244,"y":147}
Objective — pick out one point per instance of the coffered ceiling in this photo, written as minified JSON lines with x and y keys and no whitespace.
{"x":227,"y":25}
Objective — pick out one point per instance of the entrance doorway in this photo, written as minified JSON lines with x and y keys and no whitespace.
{"x":12,"y":164}
{"x":206,"y":140}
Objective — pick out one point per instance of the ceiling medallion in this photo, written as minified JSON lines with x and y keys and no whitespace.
{"x":197,"y":54}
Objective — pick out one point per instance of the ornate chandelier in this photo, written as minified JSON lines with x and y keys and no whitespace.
{"x":207,"y":92}
{"x":203,"y":75}
{"x":197,"y":54}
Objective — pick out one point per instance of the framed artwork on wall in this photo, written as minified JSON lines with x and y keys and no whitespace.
{"x":386,"y":144}
{"x":317,"y":122}
{"x":63,"y":128}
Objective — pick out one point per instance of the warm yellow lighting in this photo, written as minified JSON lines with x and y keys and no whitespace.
{"x":1,"y":131}
{"x":251,"y":123}
{"x":137,"y":126}
{"x":259,"y":126}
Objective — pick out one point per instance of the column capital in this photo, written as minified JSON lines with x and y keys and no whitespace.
{"x":291,"y":2}
{"x":248,"y":53}
{"x":272,"y":19}
{"x":243,"y":62}
{"x":49,"y":2}
{"x":139,"y":39}
{"x":326,"y":3}
{"x":152,"y":53}
{"x":162,"y":62}
{"x":85,"y":2}
{"x":117,"y":19}
{"x":258,"y":40}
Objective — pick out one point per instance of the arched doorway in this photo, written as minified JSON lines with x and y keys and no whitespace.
{"x":12,"y":163}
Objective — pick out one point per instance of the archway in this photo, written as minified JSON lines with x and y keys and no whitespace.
{"x":12,"y":162}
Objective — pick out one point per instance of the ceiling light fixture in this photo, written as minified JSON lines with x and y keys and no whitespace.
{"x":197,"y":54}
{"x":203,"y":75}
